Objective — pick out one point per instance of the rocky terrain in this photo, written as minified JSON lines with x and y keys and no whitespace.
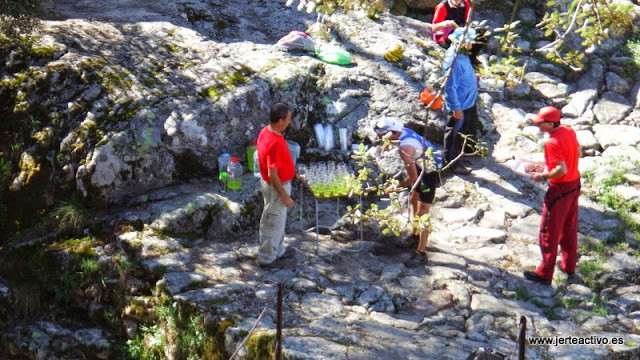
{"x":141,"y":97}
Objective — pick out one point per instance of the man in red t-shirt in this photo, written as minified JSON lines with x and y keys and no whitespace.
{"x":559,"y":224}
{"x":277,"y":170}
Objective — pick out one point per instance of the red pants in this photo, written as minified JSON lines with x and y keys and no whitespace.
{"x":559,"y":226}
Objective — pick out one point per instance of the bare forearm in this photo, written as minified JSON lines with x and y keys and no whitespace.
{"x":559,"y":170}
{"x":556,"y":172}
{"x":443,"y":24}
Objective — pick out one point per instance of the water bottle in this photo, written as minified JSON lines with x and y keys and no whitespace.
{"x":223,"y":160}
{"x":256,"y":165}
{"x":294,"y":150}
{"x":234,"y":169}
{"x":250,"y":151}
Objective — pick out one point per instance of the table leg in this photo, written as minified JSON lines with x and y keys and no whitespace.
{"x":301,"y":189}
{"x":317,"y":226}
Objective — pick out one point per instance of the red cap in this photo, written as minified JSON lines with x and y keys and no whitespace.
{"x":547,"y":113}
{"x":235,"y":159}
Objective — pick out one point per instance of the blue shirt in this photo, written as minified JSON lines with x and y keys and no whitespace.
{"x":462,"y":88}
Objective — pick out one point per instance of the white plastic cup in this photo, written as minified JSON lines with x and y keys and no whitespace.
{"x":343,"y":138}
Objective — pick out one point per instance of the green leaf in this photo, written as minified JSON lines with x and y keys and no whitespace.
{"x":386,"y":231}
{"x":550,"y":3}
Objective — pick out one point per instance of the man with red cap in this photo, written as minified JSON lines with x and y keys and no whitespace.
{"x":559,"y":224}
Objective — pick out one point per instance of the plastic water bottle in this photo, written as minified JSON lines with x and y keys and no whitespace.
{"x":256,"y":165}
{"x":223,"y":160}
{"x":234,"y":169}
{"x":250,"y":151}
{"x":294,"y":150}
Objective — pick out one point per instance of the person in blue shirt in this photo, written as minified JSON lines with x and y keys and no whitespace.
{"x":411,"y":146}
{"x":460,"y":93}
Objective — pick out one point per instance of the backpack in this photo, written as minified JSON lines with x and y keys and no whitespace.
{"x":296,"y":40}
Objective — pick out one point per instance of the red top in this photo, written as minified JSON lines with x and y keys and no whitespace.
{"x":562,"y":145}
{"x":440,"y":13}
{"x":273,"y":152}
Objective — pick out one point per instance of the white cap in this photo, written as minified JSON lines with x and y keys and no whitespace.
{"x":386,"y":124}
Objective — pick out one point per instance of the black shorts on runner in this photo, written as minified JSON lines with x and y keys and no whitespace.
{"x":428,"y":184}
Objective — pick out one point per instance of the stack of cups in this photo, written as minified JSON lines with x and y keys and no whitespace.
{"x":329,"y":142}
{"x":319,"y":130}
{"x":343,"y":138}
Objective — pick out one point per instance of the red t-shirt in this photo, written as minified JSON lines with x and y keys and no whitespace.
{"x":273,"y":152}
{"x":562,"y":145}
{"x":441,"y":13}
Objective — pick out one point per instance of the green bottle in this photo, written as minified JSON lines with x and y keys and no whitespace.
{"x":250,"y":150}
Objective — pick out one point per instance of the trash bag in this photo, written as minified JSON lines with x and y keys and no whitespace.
{"x":296,"y":40}
{"x":334,"y":55}
{"x":486,"y":354}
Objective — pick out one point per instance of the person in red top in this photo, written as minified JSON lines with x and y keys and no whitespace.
{"x":447,"y":16}
{"x":559,"y":224}
{"x":450,"y":14}
{"x":277,"y":170}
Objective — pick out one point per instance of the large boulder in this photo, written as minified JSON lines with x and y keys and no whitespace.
{"x":611,"y":108}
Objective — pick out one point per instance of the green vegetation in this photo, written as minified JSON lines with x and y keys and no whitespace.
{"x":175,"y":334}
{"x":373,"y":8}
{"x":226,"y":82}
{"x":16,"y":23}
{"x":506,"y":68}
{"x":590,"y":271}
{"x":522,"y":294}
{"x":261,"y":345}
{"x":603,"y":190}
{"x":597,"y":307}
{"x":70,"y":216}
{"x":366,"y":184}
{"x":568,"y":303}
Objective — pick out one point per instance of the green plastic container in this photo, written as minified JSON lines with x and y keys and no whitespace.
{"x":234,"y":184}
{"x":250,"y":150}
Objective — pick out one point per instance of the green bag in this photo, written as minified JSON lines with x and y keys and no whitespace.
{"x":334,"y":55}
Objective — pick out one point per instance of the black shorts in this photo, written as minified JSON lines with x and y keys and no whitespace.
{"x":428,"y":184}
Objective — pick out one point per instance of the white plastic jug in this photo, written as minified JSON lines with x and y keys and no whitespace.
{"x":223,"y":160}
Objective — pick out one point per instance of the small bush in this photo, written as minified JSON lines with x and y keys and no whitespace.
{"x":70,"y":216}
